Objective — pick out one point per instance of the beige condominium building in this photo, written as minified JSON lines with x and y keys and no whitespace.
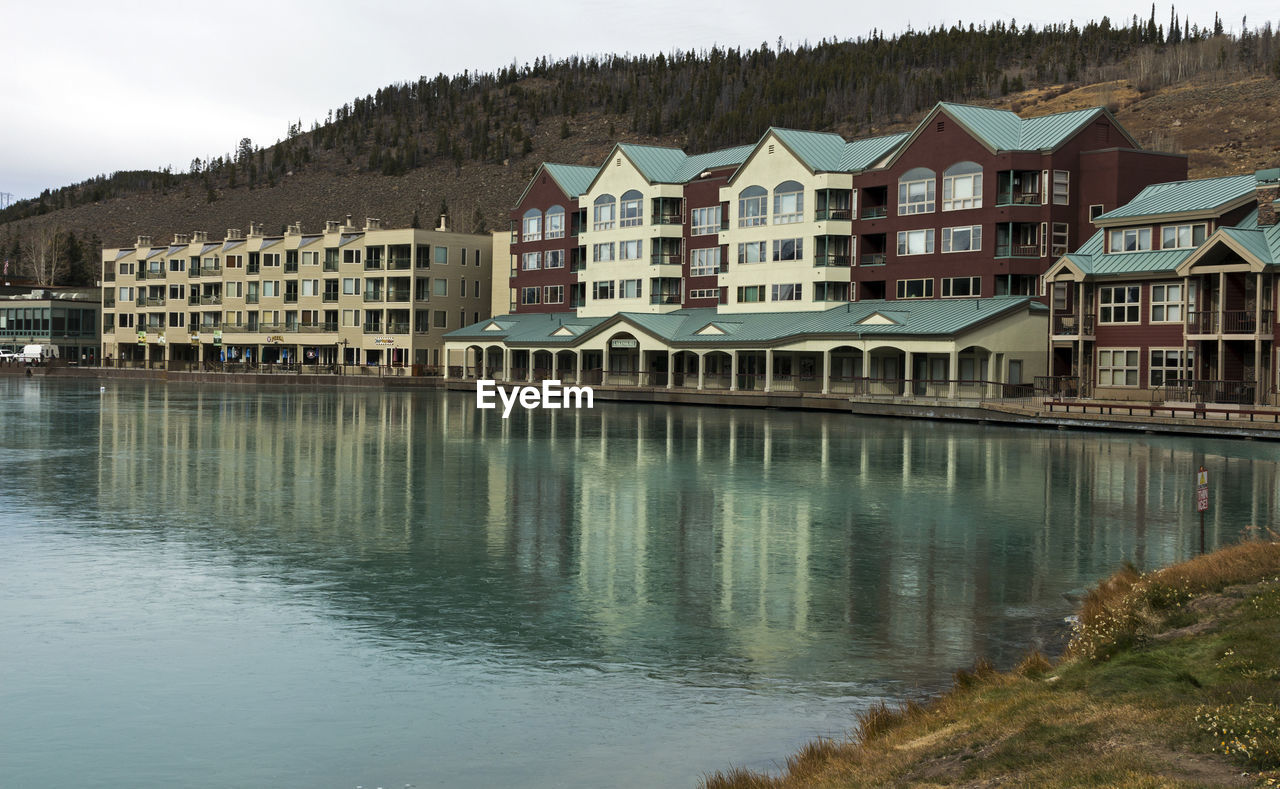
{"x":349,"y":295}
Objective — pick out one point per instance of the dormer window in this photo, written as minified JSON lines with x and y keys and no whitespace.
{"x":1130,"y":239}
{"x":1186,"y":236}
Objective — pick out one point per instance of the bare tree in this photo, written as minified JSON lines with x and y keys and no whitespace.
{"x":44,"y":255}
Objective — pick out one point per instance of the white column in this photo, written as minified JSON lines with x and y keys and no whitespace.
{"x":702,"y":365}
{"x":444,"y":373}
{"x":528,"y":370}
{"x":671,"y":369}
{"x":733,"y":371}
{"x":906,"y":374}
{"x":577,"y":354}
{"x":953,"y":368}
{"x":826,"y":371}
{"x":768,"y":369}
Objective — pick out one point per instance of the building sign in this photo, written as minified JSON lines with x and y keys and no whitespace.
{"x":195,"y":338}
{"x":217,"y":337}
{"x":624,"y":344}
{"x":142,"y":338}
{"x":384,"y":341}
{"x":1202,"y":490}
{"x":275,"y":338}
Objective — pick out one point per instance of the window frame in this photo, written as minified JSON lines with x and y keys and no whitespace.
{"x":1133,"y":308}
{"x":705,"y":221}
{"x":604,"y":214}
{"x":949,"y":234}
{"x":911,"y":205}
{"x":1123,"y":233}
{"x":904,"y":242}
{"x":753,"y":206}
{"x":1125,"y":367}
{"x":788,"y":205}
{"x":1177,"y":229}
{"x":955,"y":174}
{"x":903,"y":288}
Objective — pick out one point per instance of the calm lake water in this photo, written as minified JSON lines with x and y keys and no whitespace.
{"x":215,"y":587}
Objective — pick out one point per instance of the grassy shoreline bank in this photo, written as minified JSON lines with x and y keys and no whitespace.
{"x":1171,"y":679}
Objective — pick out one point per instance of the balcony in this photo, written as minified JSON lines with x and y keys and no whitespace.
{"x":1018,"y":198}
{"x":398,"y":295}
{"x":832,"y":261}
{"x":664,"y":298}
{"x":108,"y":300}
{"x":661,"y":259}
{"x":252,"y":298}
{"x":210,"y":300}
{"x":875,"y":212}
{"x":667,"y":219}
{"x":195,"y":272}
{"x":397,"y":327}
{"x":329,"y":298}
{"x":150,"y":301}
{"x":234,"y":328}
{"x":1228,"y":322}
{"x":372,"y":264}
{"x":373,"y":328}
{"x":833,"y":214}
{"x":291,"y":298}
{"x":874,"y":259}
{"x":1018,"y":187}
{"x":210,"y":271}
{"x":399,"y":263}
{"x":1018,"y":250}
{"x":370,"y":296}
{"x":1073,"y":326}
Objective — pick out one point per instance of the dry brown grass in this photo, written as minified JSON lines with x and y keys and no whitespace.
{"x":1128,"y":721}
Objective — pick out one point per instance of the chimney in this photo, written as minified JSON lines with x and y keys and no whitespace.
{"x":1268,"y":193}
{"x":255,"y":229}
{"x":294,"y":230}
{"x":181,"y":238}
{"x":444,"y":223}
{"x":234,"y":234}
{"x":350,"y":225}
{"x":372,"y":224}
{"x":144,"y":241}
{"x":199,"y":236}
{"x":332,"y":226}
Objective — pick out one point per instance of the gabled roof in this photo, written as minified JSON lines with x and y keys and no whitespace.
{"x":155,"y":253}
{"x":123,"y":253}
{"x":1252,"y":242}
{"x":820,"y":151}
{"x":924,"y":318}
{"x":267,"y":243}
{"x":572,"y":179}
{"x":307,"y":240}
{"x":207,"y":248}
{"x":1176,"y":198}
{"x":229,"y":245}
{"x":657,"y":165}
{"x":1091,"y":259}
{"x":696,"y":165}
{"x":177,"y":249}
{"x":861,"y":154}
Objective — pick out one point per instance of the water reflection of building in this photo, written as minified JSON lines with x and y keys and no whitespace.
{"x":814,"y":545}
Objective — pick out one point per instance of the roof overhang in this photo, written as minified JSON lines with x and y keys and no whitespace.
{"x":1209,"y":257}
{"x":1205,"y":214}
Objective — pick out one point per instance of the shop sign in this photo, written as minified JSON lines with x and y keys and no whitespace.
{"x":624,"y":344}
{"x":384,"y":341}
{"x":275,"y":338}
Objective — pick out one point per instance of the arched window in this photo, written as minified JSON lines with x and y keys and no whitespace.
{"x":632,"y":209}
{"x":917,"y":191}
{"x":606,"y":213}
{"x":788,"y":203}
{"x":753,"y":206}
{"x":555,"y":222}
{"x":532,"y":227}
{"x":962,"y":186}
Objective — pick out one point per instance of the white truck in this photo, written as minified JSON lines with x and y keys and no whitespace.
{"x":32,"y":354}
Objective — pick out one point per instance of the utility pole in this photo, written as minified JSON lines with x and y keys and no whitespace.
{"x":6,"y":200}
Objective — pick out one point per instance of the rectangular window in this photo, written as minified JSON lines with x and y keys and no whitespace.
{"x":269,"y":259}
{"x":961,"y":239}
{"x":234,"y":261}
{"x":475,"y":290}
{"x":1182,"y":236}
{"x":177,"y":291}
{"x":915,"y":242}
{"x":271,"y":289}
{"x":555,"y":224}
{"x":553,"y":294}
{"x":1061,"y":187}
{"x":351,"y":286}
{"x":704,"y":262}
{"x":752,"y":252}
{"x":705,"y":221}
{"x":787,"y":292}
{"x":602,"y":290}
{"x":441,"y":319}
{"x":1132,"y":239}
{"x":462,"y":258}
{"x":958,"y":287}
{"x":916,"y":197}
{"x":177,"y":320}
{"x":1168,"y":365}
{"x":705,"y":293}
{"x":630,"y":213}
{"x":422,"y":289}
{"x":310,"y":287}
{"x":311,"y":258}
{"x":750,"y":294}
{"x":531,"y":261}
{"x":441,"y":286}
{"x":1059,"y":296}
{"x":233,"y":290}
{"x":1166,"y":303}
{"x":1096,"y":210}
{"x":475,"y":261}
{"x":831,"y":291}
{"x":530,"y":295}
{"x":442,"y":255}
{"x":630,"y":250}
{"x":1117,"y":367}
{"x":629,"y":289}
{"x":602,"y":253}
{"x":349,"y":318}
{"x":915,"y":288}
{"x":961,"y":191}
{"x":532,"y":231}
{"x":788,"y":207}
{"x":788,"y":249}
{"x":177,"y":264}
{"x":555,"y":258}
{"x":1061,"y":231}
{"x":605,"y":216}
{"x":753,"y":211}
{"x":1119,"y":304}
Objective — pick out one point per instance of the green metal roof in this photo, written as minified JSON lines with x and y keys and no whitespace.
{"x":1091,"y":258}
{"x":658,"y":165}
{"x":1178,"y":197}
{"x":820,"y":151}
{"x":696,"y":165}
{"x":572,"y":178}
{"x":1003,"y":130}
{"x":924,"y":318}
{"x":861,"y":154}
{"x":1254,"y":241}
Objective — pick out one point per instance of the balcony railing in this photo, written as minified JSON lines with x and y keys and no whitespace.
{"x":399,"y":263}
{"x":398,"y":295}
{"x":210,"y":300}
{"x":1227,"y":322}
{"x":1187,"y":390}
{"x":835,"y":214}
{"x":1018,"y":250}
{"x":150,"y":301}
{"x":195,"y":272}
{"x":1072,"y":326}
{"x":667,"y":219}
{"x":875,"y":212}
{"x":664,"y":298}
{"x":830,"y":261}
{"x":373,"y":328}
{"x":1018,"y":198}
{"x":397,"y":327}
{"x":330,"y":265}
{"x":330,"y":297}
{"x":372,"y":264}
{"x":252,"y":298}
{"x":874,"y":259}
{"x":373,"y":296}
{"x":210,"y":271}
{"x":663,"y":259}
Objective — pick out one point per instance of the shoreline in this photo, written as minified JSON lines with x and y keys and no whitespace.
{"x":1029,"y":412}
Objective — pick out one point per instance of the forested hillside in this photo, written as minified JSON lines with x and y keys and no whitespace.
{"x":470,"y":141}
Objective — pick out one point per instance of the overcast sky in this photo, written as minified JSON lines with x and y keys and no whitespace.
{"x":93,"y":87}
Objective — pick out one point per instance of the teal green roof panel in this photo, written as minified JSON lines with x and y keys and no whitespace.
{"x":820,"y":151}
{"x":1050,"y":131}
{"x":659,"y":165}
{"x":1003,"y":130}
{"x":861,"y":154}
{"x":1177,"y":197}
{"x":1253,"y":241}
{"x":696,"y":165}
{"x":572,"y":178}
